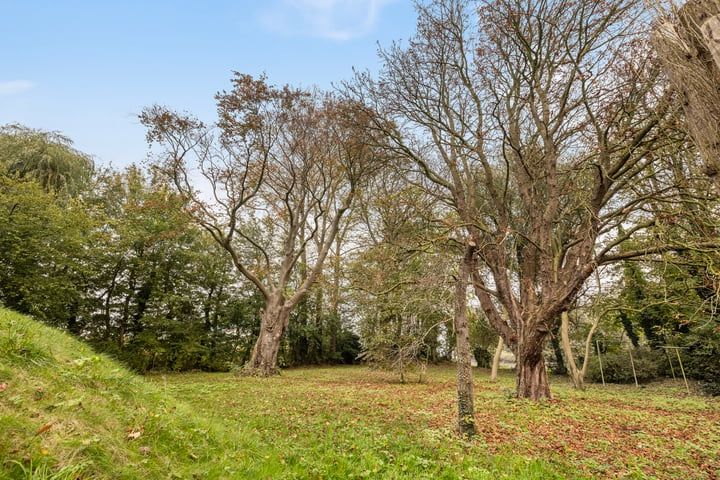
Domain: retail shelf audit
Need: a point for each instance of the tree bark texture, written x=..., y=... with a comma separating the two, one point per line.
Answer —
x=577, y=376
x=689, y=46
x=532, y=378
x=496, y=359
x=274, y=322
x=466, y=407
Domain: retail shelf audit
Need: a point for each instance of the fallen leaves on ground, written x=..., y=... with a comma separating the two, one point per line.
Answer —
x=602, y=433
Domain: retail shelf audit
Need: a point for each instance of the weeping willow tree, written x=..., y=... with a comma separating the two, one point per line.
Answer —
x=48, y=158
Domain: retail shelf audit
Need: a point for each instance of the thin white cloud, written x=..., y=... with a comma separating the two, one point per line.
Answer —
x=335, y=19
x=13, y=87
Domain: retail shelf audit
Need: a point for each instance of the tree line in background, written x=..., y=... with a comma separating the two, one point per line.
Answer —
x=505, y=177
x=114, y=258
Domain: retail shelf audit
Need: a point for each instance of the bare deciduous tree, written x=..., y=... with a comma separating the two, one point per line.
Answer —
x=271, y=183
x=536, y=121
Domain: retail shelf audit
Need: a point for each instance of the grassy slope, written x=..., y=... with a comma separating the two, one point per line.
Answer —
x=67, y=413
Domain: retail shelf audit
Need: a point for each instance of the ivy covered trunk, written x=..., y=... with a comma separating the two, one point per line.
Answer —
x=274, y=323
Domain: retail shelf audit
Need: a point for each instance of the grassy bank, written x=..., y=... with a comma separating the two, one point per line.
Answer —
x=68, y=413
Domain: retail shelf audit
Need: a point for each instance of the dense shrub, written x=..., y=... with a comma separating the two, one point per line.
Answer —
x=701, y=361
x=348, y=348
x=483, y=357
x=618, y=368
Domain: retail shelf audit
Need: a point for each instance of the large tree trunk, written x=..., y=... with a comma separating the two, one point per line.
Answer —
x=532, y=378
x=466, y=408
x=274, y=322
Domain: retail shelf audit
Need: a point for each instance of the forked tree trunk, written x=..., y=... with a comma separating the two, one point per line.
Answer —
x=273, y=324
x=577, y=374
x=578, y=377
x=496, y=359
x=532, y=378
x=466, y=407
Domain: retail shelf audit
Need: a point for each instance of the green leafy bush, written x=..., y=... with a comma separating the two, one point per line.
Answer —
x=701, y=361
x=617, y=367
x=483, y=357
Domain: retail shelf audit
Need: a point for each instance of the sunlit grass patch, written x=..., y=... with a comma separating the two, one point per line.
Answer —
x=67, y=412
x=352, y=422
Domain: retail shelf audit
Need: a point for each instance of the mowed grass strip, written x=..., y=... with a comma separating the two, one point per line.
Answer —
x=352, y=422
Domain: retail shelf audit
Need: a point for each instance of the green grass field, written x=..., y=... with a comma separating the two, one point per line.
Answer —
x=68, y=413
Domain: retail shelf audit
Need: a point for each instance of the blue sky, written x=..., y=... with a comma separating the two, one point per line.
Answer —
x=86, y=68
